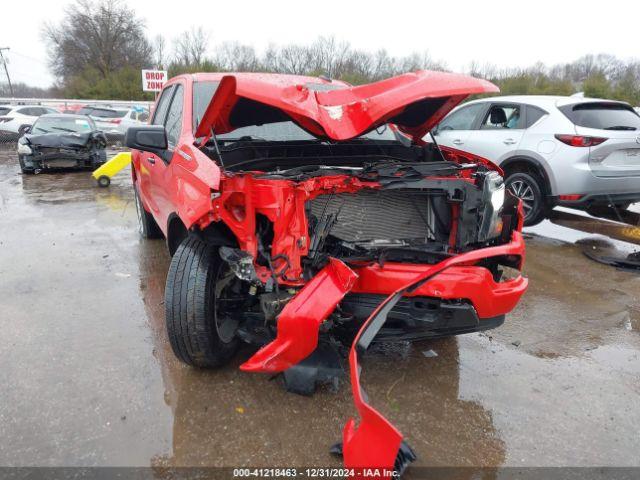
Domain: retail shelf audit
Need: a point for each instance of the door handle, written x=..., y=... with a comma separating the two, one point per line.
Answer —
x=151, y=160
x=509, y=141
x=457, y=141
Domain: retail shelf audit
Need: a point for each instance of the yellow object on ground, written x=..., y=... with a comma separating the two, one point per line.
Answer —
x=104, y=173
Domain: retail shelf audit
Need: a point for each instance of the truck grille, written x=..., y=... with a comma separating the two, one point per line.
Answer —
x=377, y=214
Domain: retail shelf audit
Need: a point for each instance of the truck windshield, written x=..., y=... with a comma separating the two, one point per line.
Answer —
x=279, y=131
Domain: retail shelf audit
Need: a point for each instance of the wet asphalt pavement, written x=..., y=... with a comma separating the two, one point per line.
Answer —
x=88, y=377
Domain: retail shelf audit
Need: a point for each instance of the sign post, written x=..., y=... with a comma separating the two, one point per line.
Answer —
x=153, y=80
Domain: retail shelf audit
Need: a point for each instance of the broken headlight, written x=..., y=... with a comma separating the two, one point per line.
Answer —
x=493, y=200
x=24, y=149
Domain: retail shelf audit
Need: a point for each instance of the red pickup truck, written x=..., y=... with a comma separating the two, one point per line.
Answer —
x=303, y=213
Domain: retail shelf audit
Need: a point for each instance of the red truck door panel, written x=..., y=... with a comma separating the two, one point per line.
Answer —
x=163, y=173
x=158, y=171
x=157, y=174
x=144, y=183
x=152, y=166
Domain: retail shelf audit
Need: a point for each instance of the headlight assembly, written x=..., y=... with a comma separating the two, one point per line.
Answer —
x=497, y=198
x=493, y=196
x=24, y=149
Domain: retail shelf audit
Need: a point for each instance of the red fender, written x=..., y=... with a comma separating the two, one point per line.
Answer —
x=300, y=319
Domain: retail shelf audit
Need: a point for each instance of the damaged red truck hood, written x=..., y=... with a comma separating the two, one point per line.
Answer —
x=414, y=102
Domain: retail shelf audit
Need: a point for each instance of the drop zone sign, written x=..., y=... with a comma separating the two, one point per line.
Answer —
x=153, y=80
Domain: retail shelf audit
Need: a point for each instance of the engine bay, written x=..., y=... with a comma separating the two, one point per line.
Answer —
x=280, y=220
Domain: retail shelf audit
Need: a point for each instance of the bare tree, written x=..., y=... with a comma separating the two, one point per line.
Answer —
x=105, y=36
x=159, y=51
x=382, y=65
x=269, y=61
x=589, y=65
x=233, y=56
x=419, y=61
x=191, y=46
x=486, y=70
x=295, y=59
x=329, y=56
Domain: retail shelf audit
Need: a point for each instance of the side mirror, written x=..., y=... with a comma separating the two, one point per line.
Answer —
x=435, y=130
x=148, y=138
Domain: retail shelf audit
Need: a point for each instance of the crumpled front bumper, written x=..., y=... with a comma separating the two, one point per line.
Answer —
x=299, y=322
x=374, y=446
x=82, y=159
x=460, y=281
x=457, y=278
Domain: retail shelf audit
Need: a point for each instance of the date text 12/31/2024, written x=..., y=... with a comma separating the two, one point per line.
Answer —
x=316, y=472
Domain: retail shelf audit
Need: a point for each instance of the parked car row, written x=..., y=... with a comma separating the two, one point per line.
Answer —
x=570, y=151
x=577, y=152
x=115, y=121
x=14, y=119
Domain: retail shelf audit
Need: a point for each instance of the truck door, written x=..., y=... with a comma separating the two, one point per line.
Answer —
x=161, y=173
x=148, y=161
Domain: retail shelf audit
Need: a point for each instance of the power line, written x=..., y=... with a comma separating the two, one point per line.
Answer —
x=28, y=57
x=6, y=70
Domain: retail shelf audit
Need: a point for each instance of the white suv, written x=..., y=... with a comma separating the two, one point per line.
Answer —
x=116, y=121
x=577, y=152
x=16, y=118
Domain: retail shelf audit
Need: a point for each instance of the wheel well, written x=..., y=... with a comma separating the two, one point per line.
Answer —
x=217, y=234
x=524, y=165
x=176, y=233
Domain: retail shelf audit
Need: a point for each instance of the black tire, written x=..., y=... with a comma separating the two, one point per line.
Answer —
x=104, y=181
x=191, y=307
x=527, y=187
x=147, y=225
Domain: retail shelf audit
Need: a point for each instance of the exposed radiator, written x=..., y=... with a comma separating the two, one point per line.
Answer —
x=377, y=214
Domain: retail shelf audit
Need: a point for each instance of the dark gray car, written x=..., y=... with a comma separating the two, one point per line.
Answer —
x=62, y=141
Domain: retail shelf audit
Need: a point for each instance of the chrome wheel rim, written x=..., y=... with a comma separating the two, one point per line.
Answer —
x=524, y=192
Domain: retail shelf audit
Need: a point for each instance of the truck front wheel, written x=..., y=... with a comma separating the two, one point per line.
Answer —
x=203, y=300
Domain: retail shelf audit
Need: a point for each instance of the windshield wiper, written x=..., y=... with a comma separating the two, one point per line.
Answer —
x=244, y=138
x=621, y=127
x=305, y=169
x=64, y=129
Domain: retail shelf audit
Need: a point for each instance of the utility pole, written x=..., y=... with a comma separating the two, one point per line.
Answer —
x=6, y=70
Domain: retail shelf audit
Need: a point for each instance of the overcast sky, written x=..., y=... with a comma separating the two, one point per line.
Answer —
x=505, y=33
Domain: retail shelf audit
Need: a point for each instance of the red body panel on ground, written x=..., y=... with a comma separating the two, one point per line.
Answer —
x=300, y=319
x=374, y=442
